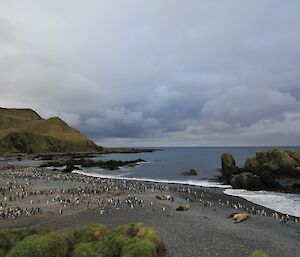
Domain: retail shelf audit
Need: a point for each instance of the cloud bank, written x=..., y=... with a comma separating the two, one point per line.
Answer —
x=152, y=73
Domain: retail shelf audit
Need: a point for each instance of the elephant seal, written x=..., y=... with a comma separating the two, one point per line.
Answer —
x=165, y=197
x=239, y=217
x=183, y=207
x=160, y=197
x=169, y=197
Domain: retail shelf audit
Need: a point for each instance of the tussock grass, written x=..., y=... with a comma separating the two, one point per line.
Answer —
x=48, y=245
x=6, y=242
x=258, y=253
x=89, y=233
x=95, y=240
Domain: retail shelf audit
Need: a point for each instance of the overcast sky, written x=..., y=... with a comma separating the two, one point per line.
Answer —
x=157, y=73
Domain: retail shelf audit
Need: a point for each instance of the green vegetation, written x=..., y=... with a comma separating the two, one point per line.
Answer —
x=258, y=253
x=275, y=158
x=9, y=239
x=6, y=242
x=89, y=233
x=251, y=164
x=276, y=162
x=228, y=162
x=85, y=250
x=228, y=167
x=48, y=245
x=133, y=240
x=24, y=131
x=263, y=171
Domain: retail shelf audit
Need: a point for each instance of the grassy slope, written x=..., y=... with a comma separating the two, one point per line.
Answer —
x=20, y=127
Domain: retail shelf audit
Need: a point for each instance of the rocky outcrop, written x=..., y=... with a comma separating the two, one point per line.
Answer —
x=277, y=162
x=246, y=180
x=229, y=167
x=191, y=172
x=262, y=171
x=228, y=164
x=109, y=165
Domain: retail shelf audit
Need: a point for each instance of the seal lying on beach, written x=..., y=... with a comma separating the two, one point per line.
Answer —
x=239, y=217
x=165, y=197
x=183, y=207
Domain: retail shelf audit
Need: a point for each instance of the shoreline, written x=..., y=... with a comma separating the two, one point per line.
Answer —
x=66, y=200
x=215, y=185
x=104, y=151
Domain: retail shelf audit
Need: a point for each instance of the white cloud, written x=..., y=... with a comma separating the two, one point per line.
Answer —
x=73, y=119
x=159, y=72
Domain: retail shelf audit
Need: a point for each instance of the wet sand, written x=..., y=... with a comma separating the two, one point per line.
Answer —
x=36, y=198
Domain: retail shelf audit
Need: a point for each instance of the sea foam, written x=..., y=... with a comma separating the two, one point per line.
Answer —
x=202, y=183
x=281, y=202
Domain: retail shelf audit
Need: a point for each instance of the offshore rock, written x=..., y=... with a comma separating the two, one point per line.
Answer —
x=262, y=171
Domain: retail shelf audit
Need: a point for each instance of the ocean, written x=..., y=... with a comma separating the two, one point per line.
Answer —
x=167, y=165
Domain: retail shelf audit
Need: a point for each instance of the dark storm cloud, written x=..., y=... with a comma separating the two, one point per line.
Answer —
x=157, y=72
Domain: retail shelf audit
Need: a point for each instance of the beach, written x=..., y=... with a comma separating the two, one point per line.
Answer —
x=37, y=198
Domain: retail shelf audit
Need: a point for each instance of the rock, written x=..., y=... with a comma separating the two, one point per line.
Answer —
x=183, y=207
x=228, y=164
x=47, y=157
x=70, y=168
x=191, y=172
x=289, y=173
x=240, y=217
x=109, y=165
x=295, y=156
x=296, y=186
x=246, y=180
x=52, y=164
x=262, y=171
x=268, y=180
x=251, y=164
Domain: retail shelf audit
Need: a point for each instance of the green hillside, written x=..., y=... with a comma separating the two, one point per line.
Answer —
x=24, y=131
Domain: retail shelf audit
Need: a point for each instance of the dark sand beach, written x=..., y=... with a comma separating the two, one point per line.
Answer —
x=42, y=199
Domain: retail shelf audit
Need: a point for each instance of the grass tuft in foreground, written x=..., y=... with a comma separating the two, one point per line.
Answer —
x=95, y=240
x=258, y=253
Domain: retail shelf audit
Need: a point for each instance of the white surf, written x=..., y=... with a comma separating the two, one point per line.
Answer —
x=203, y=183
x=281, y=202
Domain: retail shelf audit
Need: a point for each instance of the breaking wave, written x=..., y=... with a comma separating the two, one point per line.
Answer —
x=202, y=183
x=281, y=202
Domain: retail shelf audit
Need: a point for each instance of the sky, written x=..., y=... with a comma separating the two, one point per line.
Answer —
x=157, y=73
